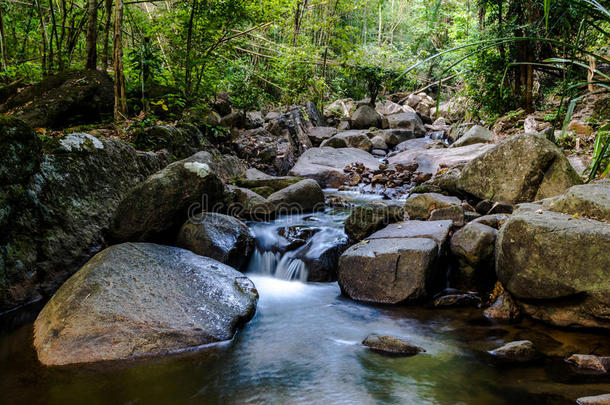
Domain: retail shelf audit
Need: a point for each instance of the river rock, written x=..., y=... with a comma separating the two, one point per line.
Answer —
x=325, y=164
x=523, y=168
x=394, y=137
x=540, y=257
x=366, y=117
x=140, y=299
x=588, y=200
x=391, y=345
x=590, y=362
x=438, y=231
x=317, y=135
x=503, y=308
x=453, y=298
x=409, y=121
x=56, y=205
x=431, y=160
x=596, y=400
x=350, y=139
x=366, y=219
x=303, y=196
x=389, y=271
x=165, y=200
x=473, y=247
x=476, y=134
x=247, y=204
x=455, y=213
x=495, y=220
x=420, y=206
x=519, y=351
x=254, y=178
x=219, y=237
x=379, y=144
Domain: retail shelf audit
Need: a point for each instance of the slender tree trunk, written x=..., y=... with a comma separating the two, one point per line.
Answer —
x=91, y=35
x=120, y=98
x=45, y=40
x=380, y=26
x=108, y=8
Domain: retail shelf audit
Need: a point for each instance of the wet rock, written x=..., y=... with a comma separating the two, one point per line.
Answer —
x=503, y=308
x=247, y=204
x=317, y=135
x=389, y=271
x=140, y=299
x=69, y=98
x=476, y=134
x=219, y=237
x=452, y=298
x=523, y=168
x=366, y=117
x=590, y=362
x=546, y=273
x=158, y=206
x=378, y=152
x=420, y=206
x=596, y=400
x=325, y=165
x=519, y=351
x=350, y=139
x=366, y=219
x=407, y=120
x=588, y=200
x=303, y=196
x=391, y=345
x=297, y=235
x=473, y=247
x=322, y=261
x=431, y=160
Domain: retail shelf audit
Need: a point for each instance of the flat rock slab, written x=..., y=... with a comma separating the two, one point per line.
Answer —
x=435, y=230
x=141, y=299
x=430, y=160
x=391, y=345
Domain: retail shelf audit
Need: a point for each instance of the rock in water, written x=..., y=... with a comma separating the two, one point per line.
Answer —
x=163, y=202
x=520, y=351
x=140, y=299
x=219, y=237
x=391, y=345
x=303, y=196
x=590, y=362
x=523, y=168
x=596, y=400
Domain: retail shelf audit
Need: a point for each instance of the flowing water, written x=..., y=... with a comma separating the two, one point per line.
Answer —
x=303, y=347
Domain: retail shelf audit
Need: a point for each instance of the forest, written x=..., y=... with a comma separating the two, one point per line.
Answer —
x=305, y=202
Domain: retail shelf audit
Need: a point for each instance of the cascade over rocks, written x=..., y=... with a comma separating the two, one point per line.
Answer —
x=520, y=169
x=140, y=299
x=164, y=201
x=55, y=207
x=325, y=164
x=219, y=237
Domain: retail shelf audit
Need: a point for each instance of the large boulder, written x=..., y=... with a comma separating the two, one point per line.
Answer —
x=421, y=206
x=350, y=139
x=523, y=168
x=255, y=179
x=55, y=206
x=63, y=100
x=325, y=165
x=588, y=200
x=389, y=271
x=157, y=207
x=366, y=117
x=473, y=247
x=476, y=134
x=219, y=237
x=247, y=204
x=393, y=137
x=317, y=135
x=409, y=121
x=140, y=299
x=303, y=196
x=438, y=231
x=430, y=160
x=366, y=219
x=557, y=266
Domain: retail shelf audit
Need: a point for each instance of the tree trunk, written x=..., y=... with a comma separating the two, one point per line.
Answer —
x=108, y=7
x=91, y=35
x=120, y=98
x=187, y=62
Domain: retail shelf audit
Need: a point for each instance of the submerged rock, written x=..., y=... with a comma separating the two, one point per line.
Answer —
x=391, y=345
x=140, y=299
x=452, y=298
x=219, y=237
x=519, y=351
x=590, y=362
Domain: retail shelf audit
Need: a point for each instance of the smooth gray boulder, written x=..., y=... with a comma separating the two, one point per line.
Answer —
x=303, y=196
x=391, y=345
x=325, y=164
x=438, y=231
x=520, y=169
x=389, y=271
x=141, y=299
x=557, y=266
x=366, y=117
x=317, y=135
x=219, y=237
x=431, y=160
x=350, y=139
x=476, y=134
x=407, y=120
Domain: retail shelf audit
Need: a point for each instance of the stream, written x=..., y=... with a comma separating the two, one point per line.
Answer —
x=303, y=347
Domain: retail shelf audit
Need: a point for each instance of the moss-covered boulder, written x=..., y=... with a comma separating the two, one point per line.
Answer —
x=140, y=299
x=247, y=204
x=421, y=206
x=59, y=205
x=588, y=200
x=156, y=208
x=255, y=179
x=304, y=196
x=557, y=266
x=523, y=168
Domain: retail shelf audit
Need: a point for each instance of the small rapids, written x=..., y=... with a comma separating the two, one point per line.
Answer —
x=294, y=247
